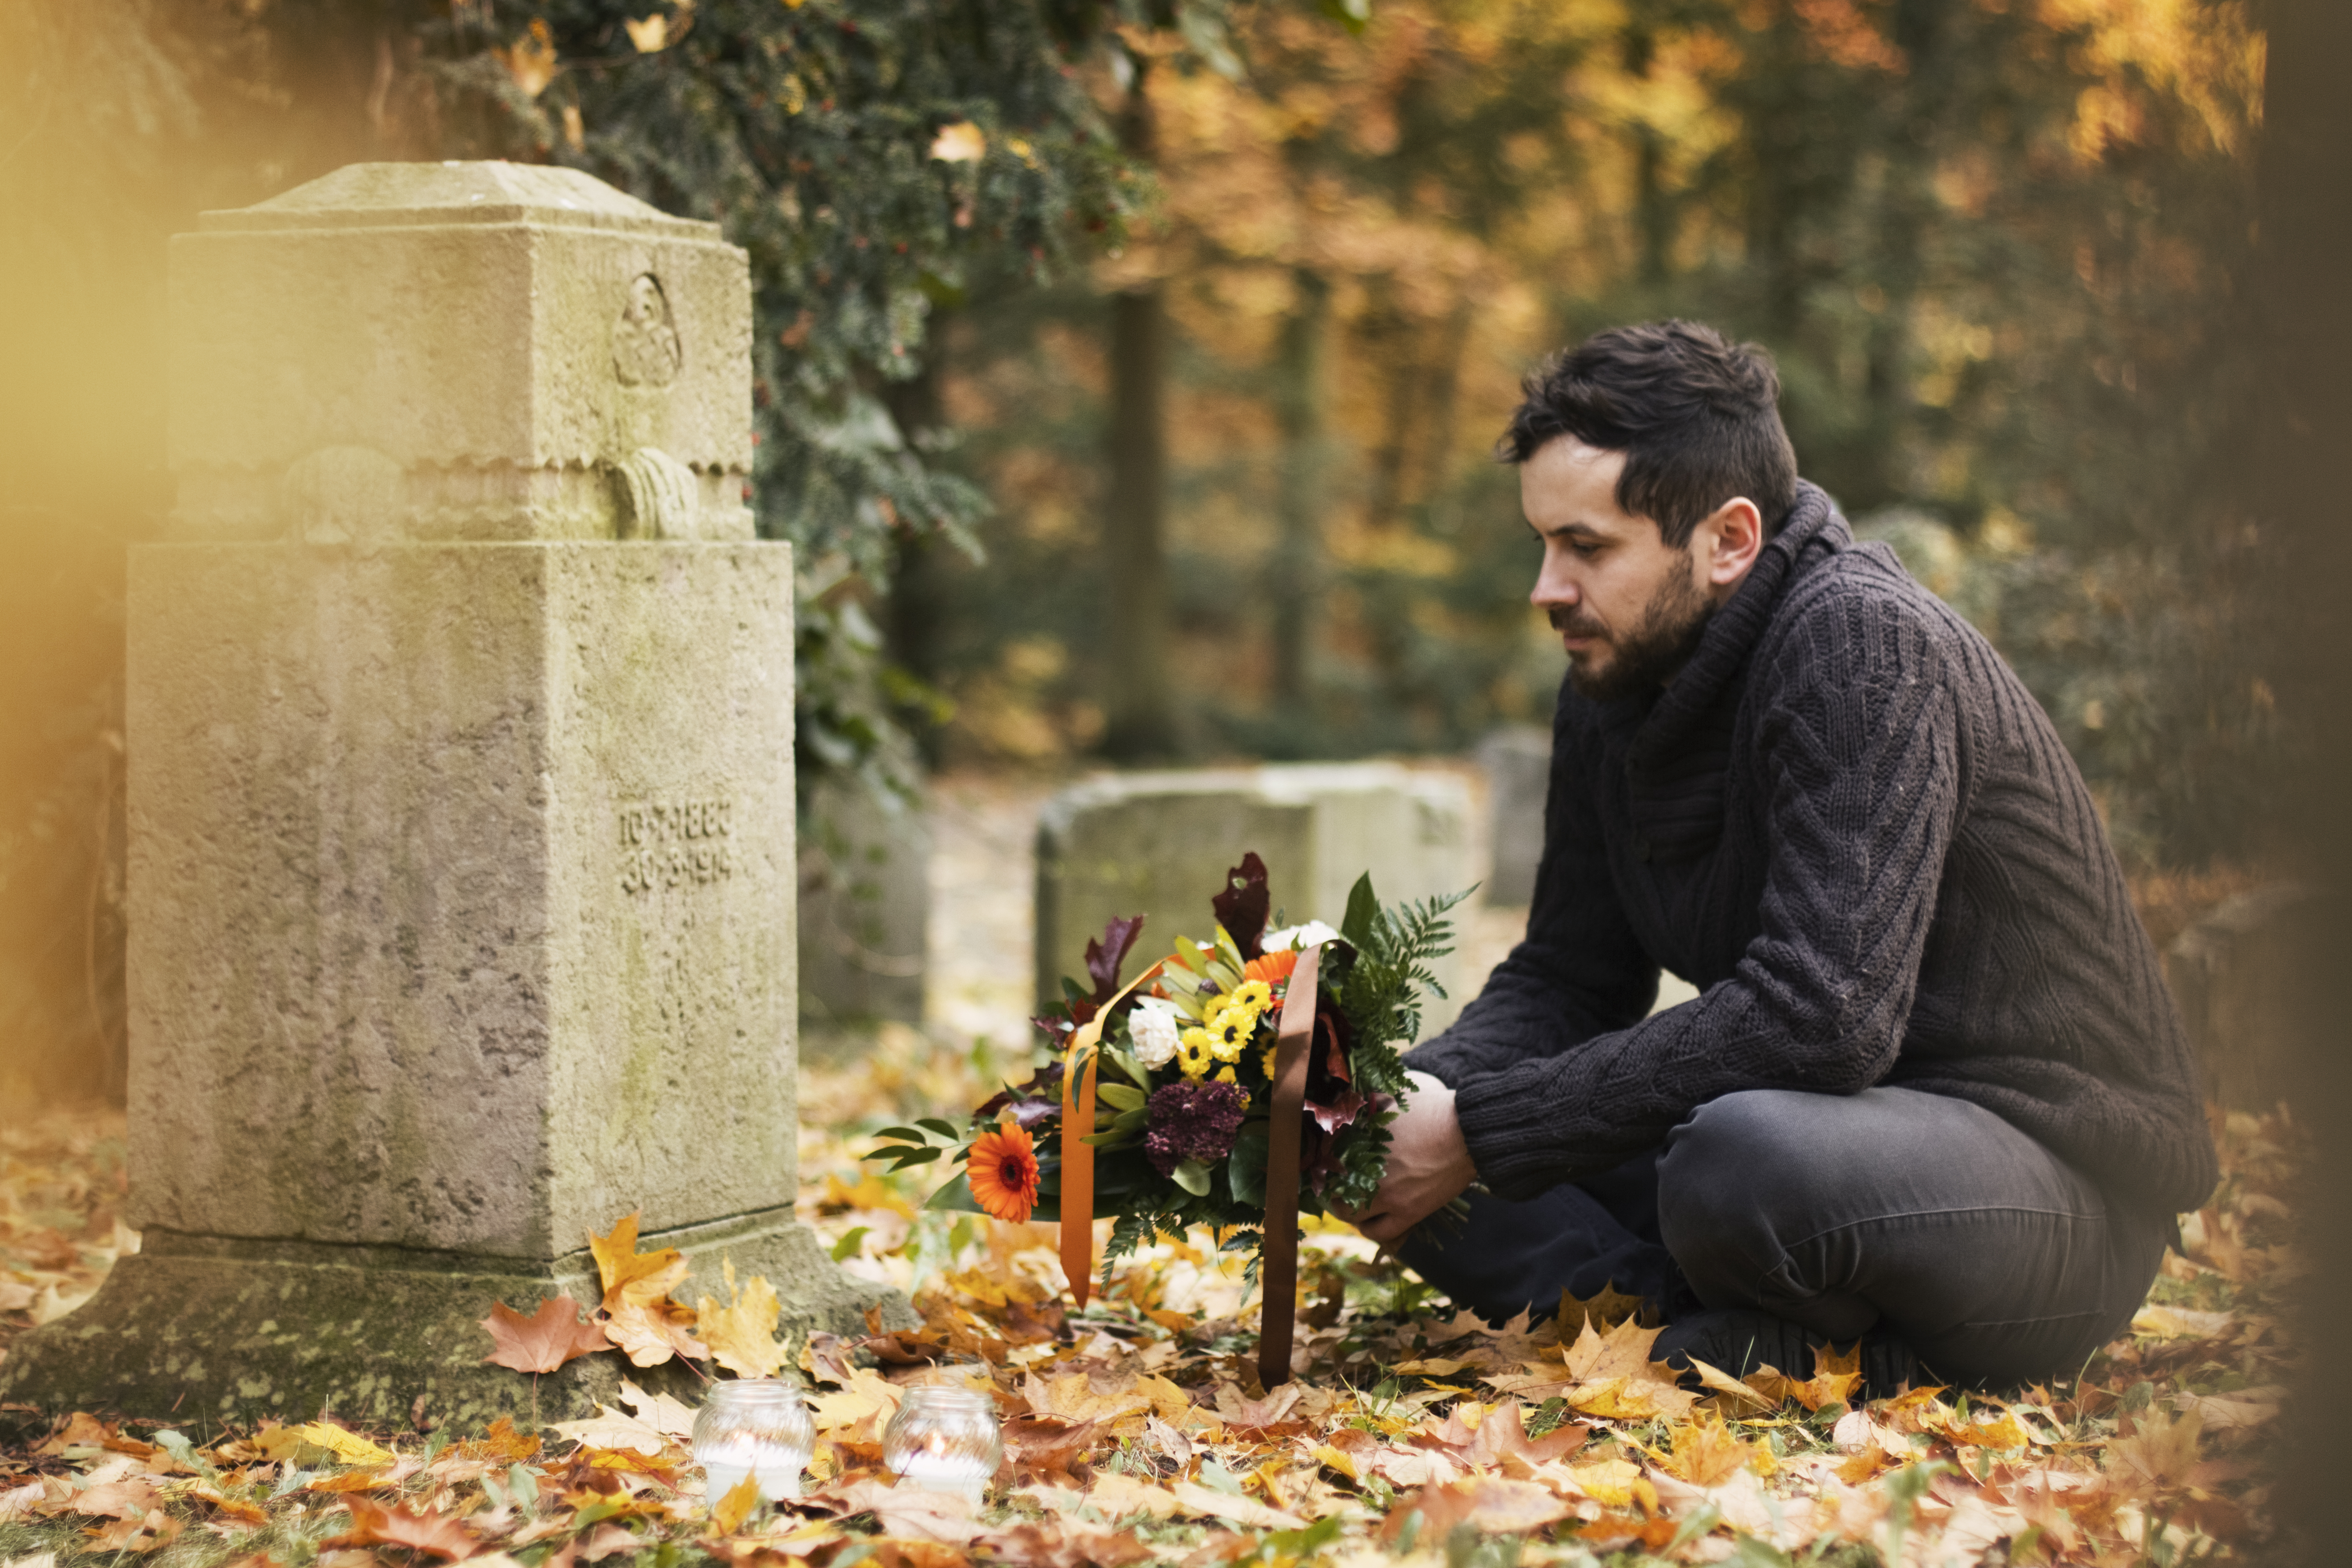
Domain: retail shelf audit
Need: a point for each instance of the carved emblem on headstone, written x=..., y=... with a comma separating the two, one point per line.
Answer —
x=646, y=350
x=664, y=501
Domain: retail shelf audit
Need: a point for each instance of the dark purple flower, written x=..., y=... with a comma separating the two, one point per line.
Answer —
x=1242, y=907
x=1192, y=1121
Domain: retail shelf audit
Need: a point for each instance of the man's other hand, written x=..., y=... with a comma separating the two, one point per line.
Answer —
x=1429, y=1165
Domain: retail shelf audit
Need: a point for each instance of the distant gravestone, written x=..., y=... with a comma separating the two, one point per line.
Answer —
x=865, y=910
x=2238, y=975
x=1161, y=843
x=460, y=831
x=1516, y=762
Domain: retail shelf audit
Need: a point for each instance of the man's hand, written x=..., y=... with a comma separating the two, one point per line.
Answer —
x=1429, y=1165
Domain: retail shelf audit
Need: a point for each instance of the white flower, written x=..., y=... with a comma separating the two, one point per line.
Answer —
x=1314, y=933
x=1152, y=1029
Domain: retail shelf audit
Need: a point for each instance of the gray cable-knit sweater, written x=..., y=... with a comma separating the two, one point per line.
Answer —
x=1851, y=827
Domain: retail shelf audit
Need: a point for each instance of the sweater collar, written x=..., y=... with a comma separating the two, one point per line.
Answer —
x=1812, y=532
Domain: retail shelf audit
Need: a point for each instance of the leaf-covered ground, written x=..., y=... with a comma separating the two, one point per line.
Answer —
x=1136, y=1431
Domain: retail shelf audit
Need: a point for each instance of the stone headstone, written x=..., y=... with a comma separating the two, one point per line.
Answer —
x=865, y=910
x=1516, y=761
x=460, y=831
x=1161, y=843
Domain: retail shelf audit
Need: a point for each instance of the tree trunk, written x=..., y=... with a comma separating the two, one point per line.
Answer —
x=1141, y=722
x=1292, y=577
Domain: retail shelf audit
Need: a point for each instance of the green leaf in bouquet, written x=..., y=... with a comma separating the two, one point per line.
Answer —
x=1363, y=912
x=1246, y=1166
x=1120, y=1095
x=903, y=1135
x=956, y=1197
x=1194, y=1178
x=918, y=1156
x=1129, y=1065
x=943, y=1128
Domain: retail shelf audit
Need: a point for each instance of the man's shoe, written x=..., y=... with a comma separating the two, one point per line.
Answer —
x=1738, y=1341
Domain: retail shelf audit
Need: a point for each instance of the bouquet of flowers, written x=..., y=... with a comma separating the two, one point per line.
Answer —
x=1167, y=1106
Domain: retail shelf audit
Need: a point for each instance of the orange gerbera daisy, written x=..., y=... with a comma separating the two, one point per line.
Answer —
x=1004, y=1172
x=1270, y=967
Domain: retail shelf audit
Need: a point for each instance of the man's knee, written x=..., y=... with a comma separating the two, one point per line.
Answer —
x=1735, y=1181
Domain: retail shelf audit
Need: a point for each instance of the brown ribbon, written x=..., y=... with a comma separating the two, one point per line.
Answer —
x=1077, y=1155
x=1278, y=1266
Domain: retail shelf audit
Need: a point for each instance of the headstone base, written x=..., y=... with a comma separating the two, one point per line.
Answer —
x=196, y=1328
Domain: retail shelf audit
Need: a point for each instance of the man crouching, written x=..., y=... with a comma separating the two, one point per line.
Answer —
x=1932, y=1094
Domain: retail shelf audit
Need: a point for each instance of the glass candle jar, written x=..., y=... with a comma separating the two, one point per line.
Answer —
x=753, y=1426
x=944, y=1438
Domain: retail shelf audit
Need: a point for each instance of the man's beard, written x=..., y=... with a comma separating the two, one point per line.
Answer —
x=1648, y=655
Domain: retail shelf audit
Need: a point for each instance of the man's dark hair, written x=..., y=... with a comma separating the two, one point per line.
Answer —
x=1698, y=417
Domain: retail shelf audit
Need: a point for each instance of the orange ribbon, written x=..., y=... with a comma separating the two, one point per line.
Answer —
x=1077, y=1155
x=1278, y=1268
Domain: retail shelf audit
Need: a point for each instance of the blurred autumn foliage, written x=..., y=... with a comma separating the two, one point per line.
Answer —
x=1127, y=371
x=1998, y=248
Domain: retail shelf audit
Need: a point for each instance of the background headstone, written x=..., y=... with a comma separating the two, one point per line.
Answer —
x=2234, y=973
x=1517, y=764
x=460, y=833
x=1161, y=843
x=865, y=910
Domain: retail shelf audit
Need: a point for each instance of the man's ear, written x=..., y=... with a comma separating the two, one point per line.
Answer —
x=1726, y=543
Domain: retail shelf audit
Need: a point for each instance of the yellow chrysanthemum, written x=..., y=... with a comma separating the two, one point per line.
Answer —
x=1195, y=1052
x=1266, y=1061
x=1224, y=1075
x=1251, y=997
x=1229, y=1032
x=1255, y=995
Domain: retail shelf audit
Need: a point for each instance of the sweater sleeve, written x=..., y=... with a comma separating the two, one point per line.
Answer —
x=1859, y=755
x=1580, y=971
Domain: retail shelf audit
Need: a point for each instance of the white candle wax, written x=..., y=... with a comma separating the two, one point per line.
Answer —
x=932, y=1470
x=775, y=1468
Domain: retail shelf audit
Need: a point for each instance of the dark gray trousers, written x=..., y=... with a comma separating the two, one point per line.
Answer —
x=1991, y=1257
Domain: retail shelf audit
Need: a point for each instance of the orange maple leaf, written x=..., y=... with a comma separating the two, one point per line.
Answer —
x=544, y=1341
x=501, y=1442
x=375, y=1525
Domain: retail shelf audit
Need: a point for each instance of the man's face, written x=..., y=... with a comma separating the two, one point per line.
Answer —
x=1629, y=608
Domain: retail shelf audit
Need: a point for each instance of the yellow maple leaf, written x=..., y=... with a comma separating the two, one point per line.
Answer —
x=1121, y=1403
x=869, y=1192
x=1614, y=1483
x=853, y=1415
x=743, y=1335
x=1613, y=1376
x=2155, y=1454
x=632, y=1276
x=532, y=59
x=1736, y=1395
x=728, y=1514
x=650, y=1333
x=962, y=143
x=1706, y=1453
x=1604, y=1310
x=348, y=1446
